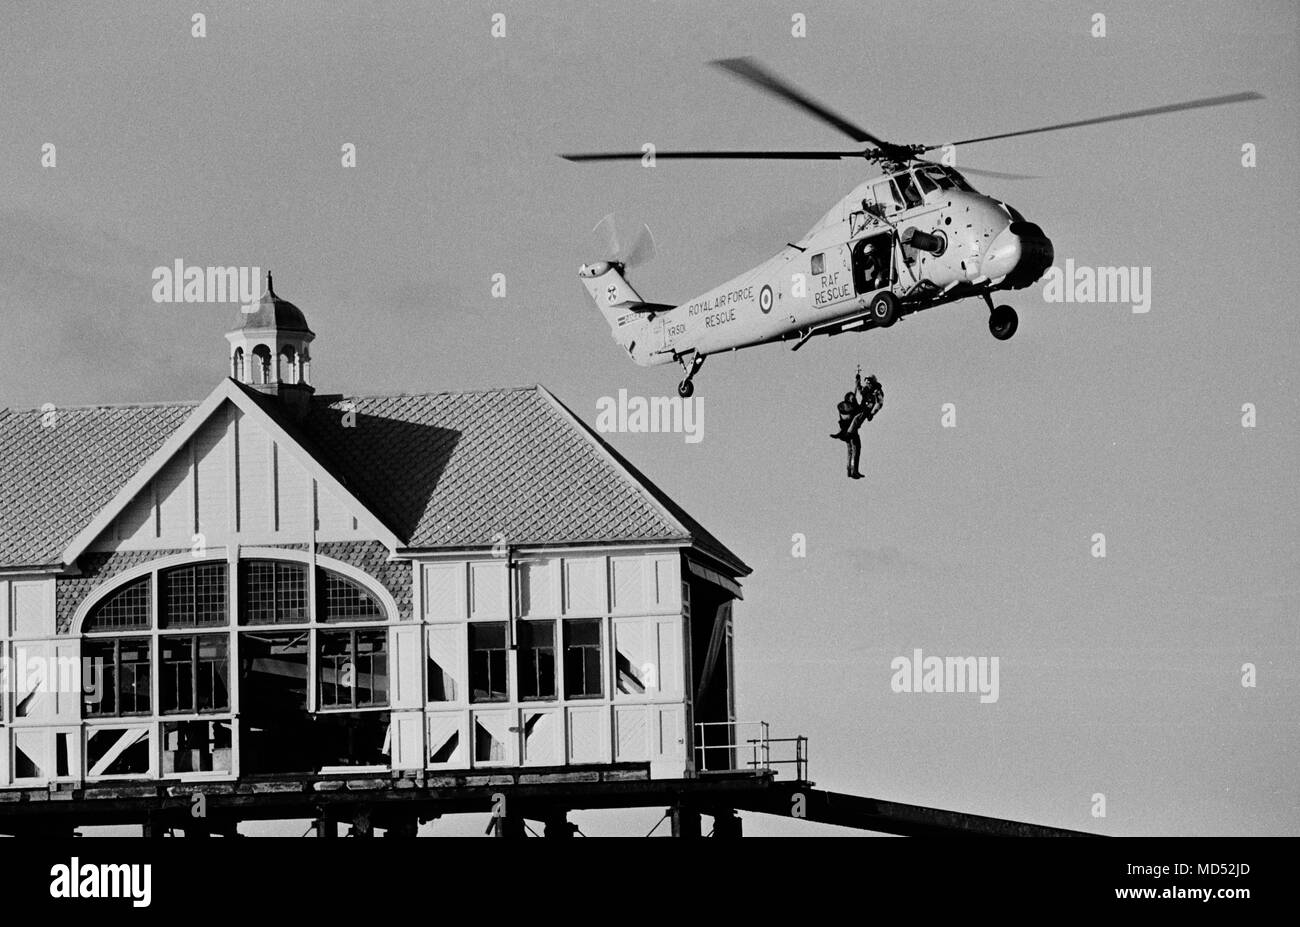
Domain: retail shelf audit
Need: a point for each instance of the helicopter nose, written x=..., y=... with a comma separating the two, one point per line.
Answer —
x=1002, y=256
x=1020, y=252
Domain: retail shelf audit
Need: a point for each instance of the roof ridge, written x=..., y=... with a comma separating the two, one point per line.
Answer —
x=176, y=404
x=192, y=403
x=447, y=392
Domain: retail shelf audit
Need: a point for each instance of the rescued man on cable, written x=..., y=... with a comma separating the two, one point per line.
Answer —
x=858, y=406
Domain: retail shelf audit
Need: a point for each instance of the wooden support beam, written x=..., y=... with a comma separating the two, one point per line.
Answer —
x=686, y=822
x=886, y=817
x=559, y=826
x=509, y=825
x=726, y=824
x=407, y=826
x=362, y=825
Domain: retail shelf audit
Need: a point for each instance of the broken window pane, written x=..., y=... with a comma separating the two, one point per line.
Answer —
x=489, y=739
x=193, y=672
x=371, y=682
x=100, y=697
x=443, y=663
x=487, y=661
x=353, y=668
x=444, y=738
x=634, y=666
x=117, y=751
x=61, y=754
x=351, y=738
x=176, y=672
x=536, y=659
x=582, y=662
x=121, y=666
x=196, y=746
x=29, y=754
x=275, y=729
x=335, y=667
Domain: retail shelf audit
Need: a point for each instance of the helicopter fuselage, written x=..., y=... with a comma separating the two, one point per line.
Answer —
x=925, y=247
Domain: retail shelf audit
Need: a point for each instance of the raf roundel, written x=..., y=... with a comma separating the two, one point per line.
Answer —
x=765, y=299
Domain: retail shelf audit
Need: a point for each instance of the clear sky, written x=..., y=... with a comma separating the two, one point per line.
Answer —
x=1119, y=676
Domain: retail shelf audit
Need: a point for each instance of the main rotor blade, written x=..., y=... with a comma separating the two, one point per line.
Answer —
x=975, y=171
x=716, y=155
x=999, y=175
x=747, y=69
x=1133, y=114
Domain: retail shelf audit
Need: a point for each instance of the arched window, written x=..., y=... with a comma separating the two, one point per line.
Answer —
x=192, y=667
x=261, y=365
x=194, y=596
x=346, y=600
x=127, y=609
x=312, y=671
x=273, y=592
x=288, y=365
x=237, y=365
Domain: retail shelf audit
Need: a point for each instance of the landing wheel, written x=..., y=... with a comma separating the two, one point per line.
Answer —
x=1003, y=322
x=686, y=387
x=884, y=309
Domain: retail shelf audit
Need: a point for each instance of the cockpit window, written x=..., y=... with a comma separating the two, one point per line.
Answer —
x=886, y=196
x=960, y=181
x=911, y=195
x=932, y=177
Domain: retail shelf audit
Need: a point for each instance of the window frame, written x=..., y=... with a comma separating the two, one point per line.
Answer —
x=195, y=663
x=475, y=627
x=352, y=655
x=520, y=648
x=904, y=181
x=166, y=628
x=278, y=569
x=570, y=693
x=116, y=641
x=895, y=203
x=164, y=620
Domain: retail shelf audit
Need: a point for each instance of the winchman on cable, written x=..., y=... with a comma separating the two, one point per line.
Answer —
x=858, y=406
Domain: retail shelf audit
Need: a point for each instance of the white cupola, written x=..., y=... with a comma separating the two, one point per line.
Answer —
x=269, y=350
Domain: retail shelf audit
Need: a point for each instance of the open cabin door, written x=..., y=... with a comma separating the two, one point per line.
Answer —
x=872, y=258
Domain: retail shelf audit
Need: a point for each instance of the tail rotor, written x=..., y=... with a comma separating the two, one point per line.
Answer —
x=640, y=249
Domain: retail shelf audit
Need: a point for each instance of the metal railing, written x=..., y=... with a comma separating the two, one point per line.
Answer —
x=733, y=746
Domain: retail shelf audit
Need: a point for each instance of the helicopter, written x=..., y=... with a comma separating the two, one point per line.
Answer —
x=912, y=236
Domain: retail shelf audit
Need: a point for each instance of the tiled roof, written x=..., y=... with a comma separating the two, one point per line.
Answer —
x=58, y=469
x=447, y=470
x=471, y=469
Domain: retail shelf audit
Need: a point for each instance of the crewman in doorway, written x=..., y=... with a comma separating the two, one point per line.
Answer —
x=857, y=407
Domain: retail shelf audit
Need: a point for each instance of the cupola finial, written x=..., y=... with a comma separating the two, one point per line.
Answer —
x=268, y=283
